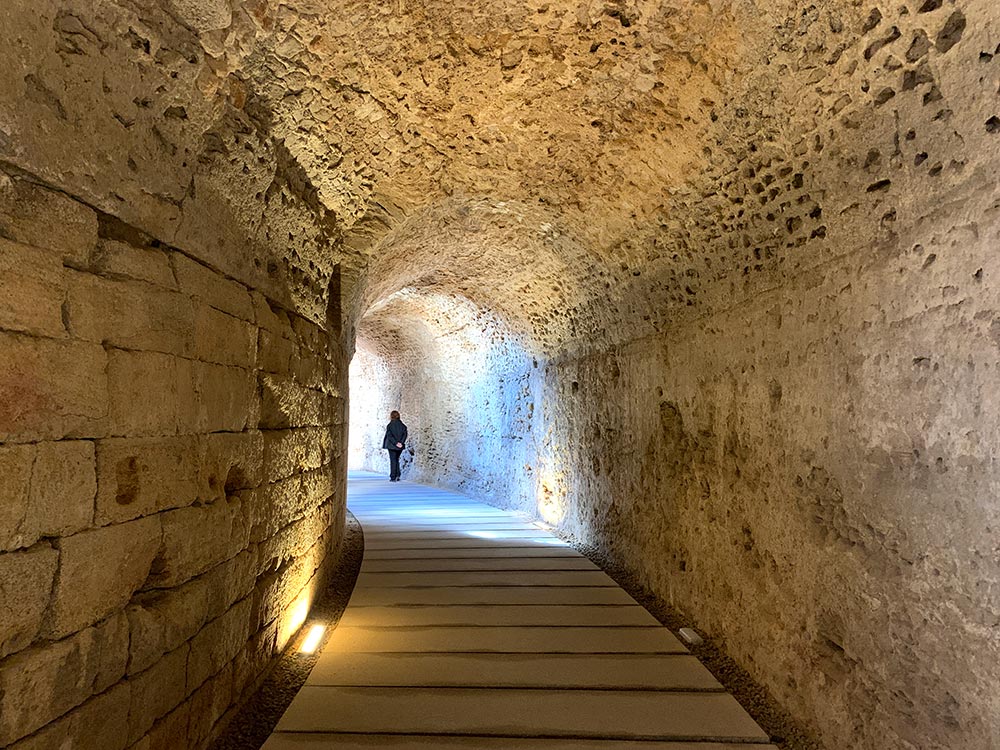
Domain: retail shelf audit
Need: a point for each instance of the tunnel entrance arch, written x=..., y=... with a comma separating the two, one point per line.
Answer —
x=465, y=384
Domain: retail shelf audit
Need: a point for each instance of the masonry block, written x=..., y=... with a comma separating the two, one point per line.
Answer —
x=34, y=288
x=252, y=660
x=130, y=314
x=295, y=539
x=51, y=389
x=271, y=317
x=157, y=691
x=120, y=260
x=218, y=643
x=16, y=462
x=227, y=398
x=99, y=570
x=211, y=287
x=160, y=621
x=277, y=591
x=275, y=353
x=288, y=452
x=224, y=339
x=150, y=394
x=285, y=403
x=48, y=491
x=170, y=732
x=42, y=683
x=208, y=703
x=44, y=218
x=140, y=476
x=26, y=583
x=231, y=581
x=233, y=461
x=99, y=724
x=274, y=505
x=312, y=370
x=198, y=538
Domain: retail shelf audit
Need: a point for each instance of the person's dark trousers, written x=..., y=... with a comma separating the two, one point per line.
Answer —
x=394, y=464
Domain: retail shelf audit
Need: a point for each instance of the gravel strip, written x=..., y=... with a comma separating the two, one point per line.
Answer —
x=253, y=723
x=758, y=702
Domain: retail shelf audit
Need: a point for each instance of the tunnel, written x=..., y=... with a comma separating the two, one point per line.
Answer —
x=707, y=290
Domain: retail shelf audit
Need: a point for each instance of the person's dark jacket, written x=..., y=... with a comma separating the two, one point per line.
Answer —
x=395, y=432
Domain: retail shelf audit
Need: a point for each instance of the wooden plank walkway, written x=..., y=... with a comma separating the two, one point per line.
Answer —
x=471, y=628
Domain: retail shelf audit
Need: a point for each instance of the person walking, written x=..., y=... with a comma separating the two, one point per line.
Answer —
x=394, y=442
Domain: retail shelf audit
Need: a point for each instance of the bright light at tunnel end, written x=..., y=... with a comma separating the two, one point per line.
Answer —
x=312, y=639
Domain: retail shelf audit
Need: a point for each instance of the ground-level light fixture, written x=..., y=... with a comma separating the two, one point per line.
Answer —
x=312, y=639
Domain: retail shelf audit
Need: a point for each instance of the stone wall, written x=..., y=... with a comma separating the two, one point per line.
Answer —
x=811, y=478
x=171, y=450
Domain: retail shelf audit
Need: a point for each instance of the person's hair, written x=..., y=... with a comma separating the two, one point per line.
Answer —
x=394, y=415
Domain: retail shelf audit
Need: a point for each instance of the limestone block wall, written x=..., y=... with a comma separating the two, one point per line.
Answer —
x=171, y=480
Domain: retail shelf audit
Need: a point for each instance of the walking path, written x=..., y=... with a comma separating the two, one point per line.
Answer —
x=471, y=628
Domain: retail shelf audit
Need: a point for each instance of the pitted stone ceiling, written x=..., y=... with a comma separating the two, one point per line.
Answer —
x=593, y=171
x=503, y=152
x=595, y=107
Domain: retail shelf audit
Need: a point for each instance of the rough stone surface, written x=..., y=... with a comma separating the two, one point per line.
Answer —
x=34, y=288
x=99, y=570
x=133, y=547
x=139, y=476
x=51, y=389
x=49, y=491
x=198, y=538
x=42, y=683
x=99, y=724
x=25, y=581
x=709, y=285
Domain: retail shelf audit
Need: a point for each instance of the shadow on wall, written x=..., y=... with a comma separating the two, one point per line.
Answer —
x=465, y=386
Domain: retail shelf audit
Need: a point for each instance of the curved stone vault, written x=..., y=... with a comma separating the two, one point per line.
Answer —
x=708, y=285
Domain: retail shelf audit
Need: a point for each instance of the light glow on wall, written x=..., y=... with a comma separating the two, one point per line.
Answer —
x=295, y=616
x=551, y=498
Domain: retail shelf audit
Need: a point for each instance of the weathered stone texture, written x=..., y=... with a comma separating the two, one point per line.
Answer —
x=49, y=490
x=151, y=394
x=218, y=643
x=34, y=287
x=130, y=578
x=25, y=580
x=99, y=724
x=157, y=691
x=99, y=570
x=714, y=281
x=200, y=281
x=227, y=398
x=139, y=476
x=198, y=538
x=41, y=218
x=120, y=260
x=51, y=389
x=42, y=683
x=130, y=314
